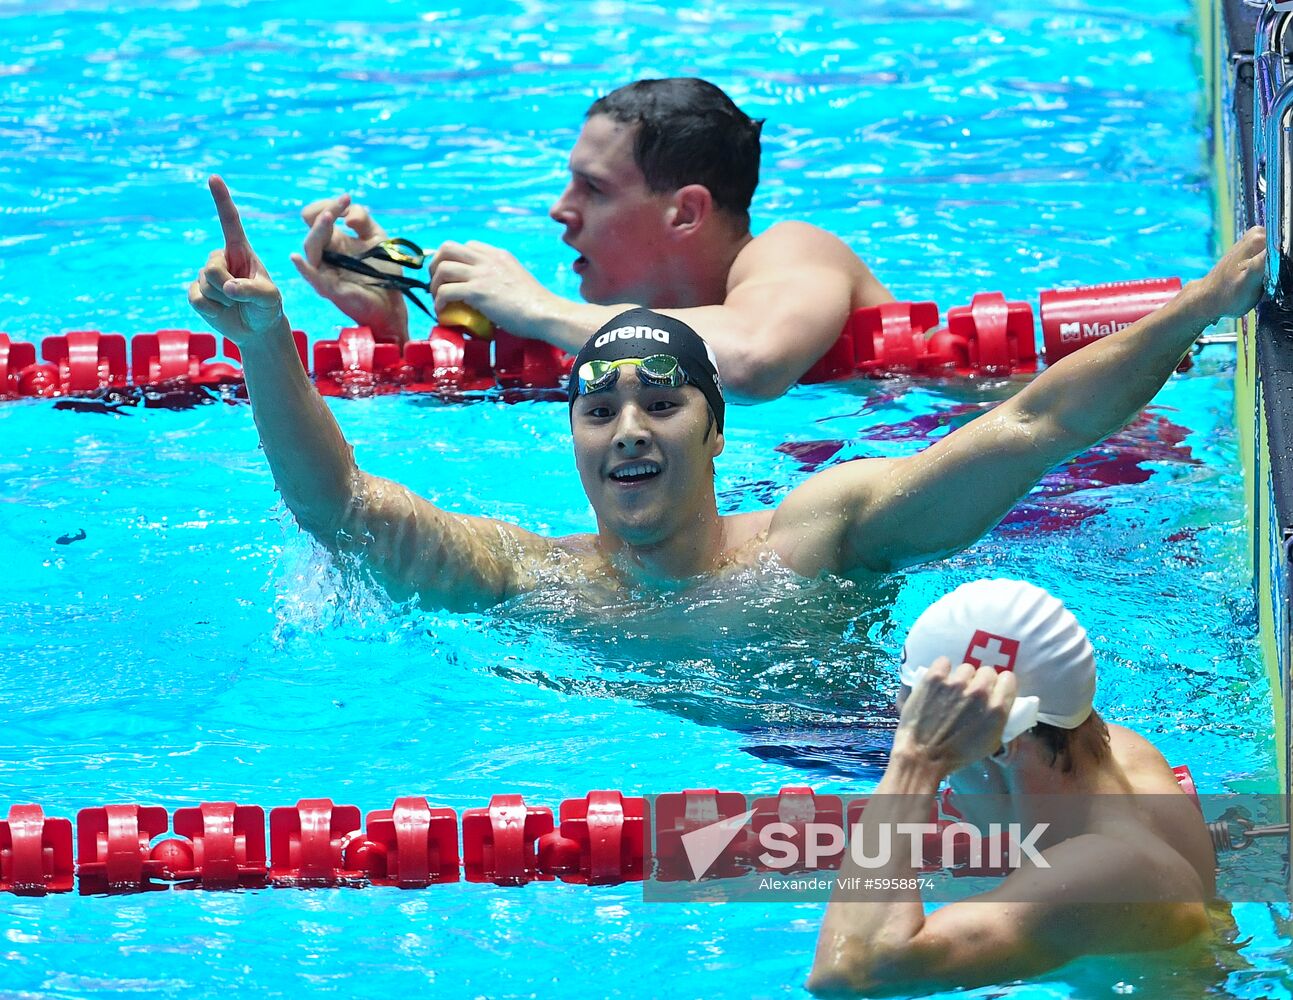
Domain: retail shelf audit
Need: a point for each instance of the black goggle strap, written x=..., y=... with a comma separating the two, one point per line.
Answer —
x=396, y=251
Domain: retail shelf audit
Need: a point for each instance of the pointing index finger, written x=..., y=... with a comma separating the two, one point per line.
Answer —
x=237, y=246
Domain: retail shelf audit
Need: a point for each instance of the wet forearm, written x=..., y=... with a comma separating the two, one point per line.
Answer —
x=866, y=930
x=312, y=463
x=748, y=373
x=565, y=324
x=1096, y=390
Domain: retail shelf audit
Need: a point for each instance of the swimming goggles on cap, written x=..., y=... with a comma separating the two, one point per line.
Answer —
x=405, y=253
x=658, y=369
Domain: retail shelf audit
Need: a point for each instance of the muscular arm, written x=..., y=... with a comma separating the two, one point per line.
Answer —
x=412, y=547
x=1100, y=894
x=883, y=515
x=788, y=295
x=1099, y=897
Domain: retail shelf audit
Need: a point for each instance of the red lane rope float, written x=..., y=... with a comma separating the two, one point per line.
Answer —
x=990, y=336
x=603, y=838
x=14, y=358
x=1074, y=317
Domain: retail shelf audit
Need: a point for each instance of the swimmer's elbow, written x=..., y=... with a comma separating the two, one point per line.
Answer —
x=853, y=974
x=829, y=983
x=327, y=514
x=859, y=961
x=756, y=378
x=834, y=979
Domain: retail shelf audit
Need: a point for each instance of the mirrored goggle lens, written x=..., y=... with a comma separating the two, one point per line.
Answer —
x=658, y=369
x=596, y=375
x=661, y=369
x=406, y=253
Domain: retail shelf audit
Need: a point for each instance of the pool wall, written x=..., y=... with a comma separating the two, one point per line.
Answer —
x=1264, y=377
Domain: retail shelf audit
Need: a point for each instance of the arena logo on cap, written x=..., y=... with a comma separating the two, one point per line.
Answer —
x=632, y=333
x=988, y=650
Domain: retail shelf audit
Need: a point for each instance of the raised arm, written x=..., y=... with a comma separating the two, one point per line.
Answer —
x=787, y=297
x=412, y=547
x=885, y=514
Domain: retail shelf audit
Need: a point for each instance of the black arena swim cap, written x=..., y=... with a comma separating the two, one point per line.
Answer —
x=640, y=333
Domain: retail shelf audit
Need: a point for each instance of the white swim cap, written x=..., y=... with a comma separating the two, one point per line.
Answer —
x=1015, y=626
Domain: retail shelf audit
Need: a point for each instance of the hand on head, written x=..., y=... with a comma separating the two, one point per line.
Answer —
x=955, y=716
x=380, y=309
x=234, y=292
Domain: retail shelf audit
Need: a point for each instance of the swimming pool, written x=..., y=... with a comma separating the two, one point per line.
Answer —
x=193, y=647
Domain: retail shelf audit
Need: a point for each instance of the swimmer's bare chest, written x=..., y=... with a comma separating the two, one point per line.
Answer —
x=580, y=564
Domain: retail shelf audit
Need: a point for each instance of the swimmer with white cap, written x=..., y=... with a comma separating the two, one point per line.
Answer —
x=998, y=687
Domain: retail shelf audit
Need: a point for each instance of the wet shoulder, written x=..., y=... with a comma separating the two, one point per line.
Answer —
x=795, y=242
x=568, y=562
x=1146, y=770
x=1162, y=805
x=745, y=538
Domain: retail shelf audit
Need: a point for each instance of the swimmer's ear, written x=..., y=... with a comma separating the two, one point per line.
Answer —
x=1007, y=754
x=690, y=206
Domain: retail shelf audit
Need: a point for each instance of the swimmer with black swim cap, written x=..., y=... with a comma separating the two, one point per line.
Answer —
x=647, y=414
x=665, y=351
x=645, y=447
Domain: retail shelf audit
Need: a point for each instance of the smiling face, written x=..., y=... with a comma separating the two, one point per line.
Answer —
x=613, y=220
x=645, y=457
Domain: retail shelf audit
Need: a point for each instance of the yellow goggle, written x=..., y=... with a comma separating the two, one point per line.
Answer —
x=405, y=253
x=658, y=370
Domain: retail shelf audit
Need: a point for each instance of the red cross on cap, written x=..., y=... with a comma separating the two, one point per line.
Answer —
x=988, y=650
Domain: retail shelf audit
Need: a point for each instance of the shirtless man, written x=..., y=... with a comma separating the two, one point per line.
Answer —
x=645, y=437
x=657, y=209
x=1131, y=866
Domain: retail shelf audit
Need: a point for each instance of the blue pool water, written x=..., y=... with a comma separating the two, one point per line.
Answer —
x=193, y=647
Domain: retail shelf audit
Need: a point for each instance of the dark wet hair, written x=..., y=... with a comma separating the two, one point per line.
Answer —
x=1092, y=736
x=689, y=132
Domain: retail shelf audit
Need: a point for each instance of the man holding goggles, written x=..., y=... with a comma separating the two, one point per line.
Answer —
x=657, y=213
x=647, y=419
